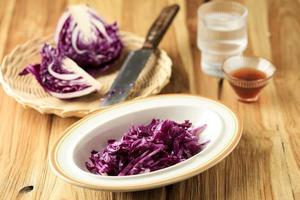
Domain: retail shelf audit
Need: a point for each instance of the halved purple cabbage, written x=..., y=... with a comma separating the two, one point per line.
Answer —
x=56, y=74
x=85, y=38
x=147, y=148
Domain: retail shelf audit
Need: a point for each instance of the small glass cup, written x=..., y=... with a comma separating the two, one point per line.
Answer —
x=245, y=76
x=222, y=32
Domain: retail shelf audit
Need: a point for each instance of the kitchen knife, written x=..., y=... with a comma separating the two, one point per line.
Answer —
x=136, y=60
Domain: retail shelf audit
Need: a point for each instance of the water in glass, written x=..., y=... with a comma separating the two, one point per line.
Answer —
x=222, y=32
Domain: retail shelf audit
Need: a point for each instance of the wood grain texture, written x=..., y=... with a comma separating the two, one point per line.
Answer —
x=266, y=163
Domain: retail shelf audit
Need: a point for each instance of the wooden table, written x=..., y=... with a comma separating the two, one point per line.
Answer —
x=265, y=164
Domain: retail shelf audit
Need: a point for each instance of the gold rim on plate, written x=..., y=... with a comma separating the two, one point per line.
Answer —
x=179, y=177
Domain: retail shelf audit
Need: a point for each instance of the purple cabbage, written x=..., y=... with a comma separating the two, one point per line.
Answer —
x=85, y=38
x=147, y=148
x=55, y=78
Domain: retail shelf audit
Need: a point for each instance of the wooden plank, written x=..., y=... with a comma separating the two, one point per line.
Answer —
x=184, y=44
x=24, y=150
x=19, y=160
x=157, y=194
x=6, y=11
x=284, y=22
x=262, y=120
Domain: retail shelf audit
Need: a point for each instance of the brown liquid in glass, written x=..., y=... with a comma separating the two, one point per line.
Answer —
x=248, y=74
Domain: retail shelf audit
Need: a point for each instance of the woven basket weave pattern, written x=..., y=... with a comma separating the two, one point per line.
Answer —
x=29, y=93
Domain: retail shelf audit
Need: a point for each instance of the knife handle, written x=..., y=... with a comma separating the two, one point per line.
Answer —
x=160, y=26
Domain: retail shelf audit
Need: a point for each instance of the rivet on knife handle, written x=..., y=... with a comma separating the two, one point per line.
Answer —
x=160, y=26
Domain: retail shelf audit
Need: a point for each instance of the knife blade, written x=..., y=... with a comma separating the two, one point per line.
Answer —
x=124, y=82
x=137, y=60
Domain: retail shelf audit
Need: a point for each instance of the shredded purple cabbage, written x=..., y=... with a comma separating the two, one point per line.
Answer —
x=146, y=148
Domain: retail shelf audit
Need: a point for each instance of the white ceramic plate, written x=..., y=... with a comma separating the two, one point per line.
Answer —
x=67, y=159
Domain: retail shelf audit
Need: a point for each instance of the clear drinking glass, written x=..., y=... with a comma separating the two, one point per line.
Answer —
x=242, y=74
x=222, y=32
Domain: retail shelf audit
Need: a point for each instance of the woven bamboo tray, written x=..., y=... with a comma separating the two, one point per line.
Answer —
x=27, y=91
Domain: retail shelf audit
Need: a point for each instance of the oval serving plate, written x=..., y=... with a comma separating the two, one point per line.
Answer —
x=68, y=156
x=26, y=90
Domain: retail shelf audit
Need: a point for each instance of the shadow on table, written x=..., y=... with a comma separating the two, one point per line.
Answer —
x=244, y=174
